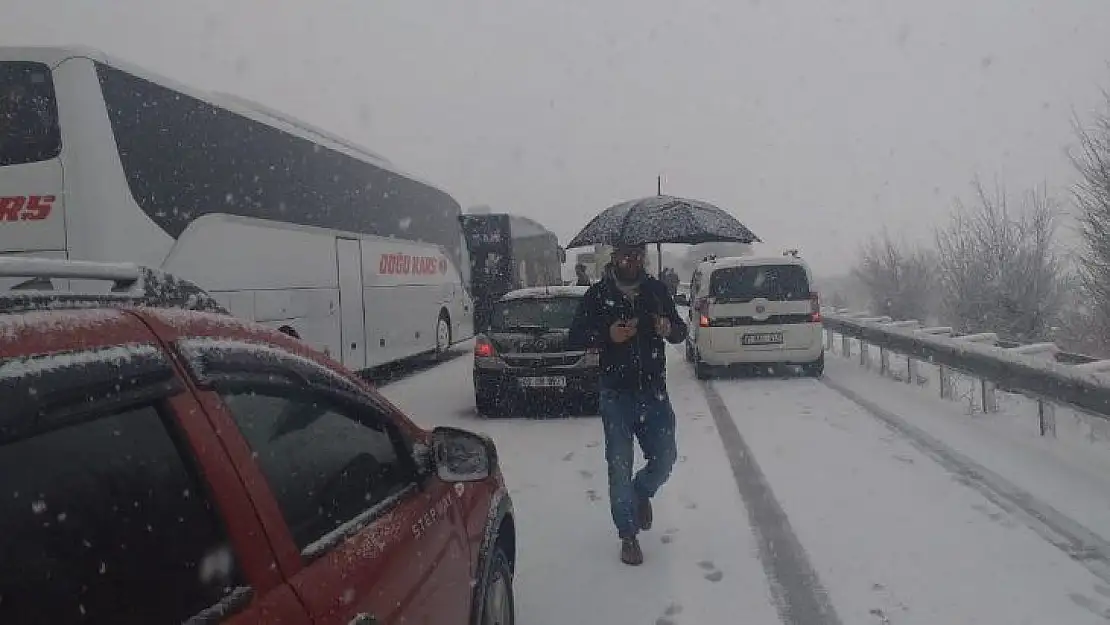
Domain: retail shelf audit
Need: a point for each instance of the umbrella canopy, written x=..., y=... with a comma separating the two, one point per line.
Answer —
x=663, y=219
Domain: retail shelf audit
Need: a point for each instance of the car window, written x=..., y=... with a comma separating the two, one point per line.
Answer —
x=107, y=523
x=325, y=463
x=773, y=282
x=548, y=313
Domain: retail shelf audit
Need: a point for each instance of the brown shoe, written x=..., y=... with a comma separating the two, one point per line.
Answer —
x=630, y=552
x=643, y=513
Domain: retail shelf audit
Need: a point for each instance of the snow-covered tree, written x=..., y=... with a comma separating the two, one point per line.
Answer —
x=899, y=278
x=1092, y=196
x=999, y=268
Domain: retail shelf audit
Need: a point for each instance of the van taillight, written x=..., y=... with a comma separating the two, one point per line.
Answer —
x=483, y=348
x=815, y=308
x=702, y=306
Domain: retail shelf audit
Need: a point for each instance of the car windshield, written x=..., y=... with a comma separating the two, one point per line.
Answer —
x=548, y=313
x=773, y=282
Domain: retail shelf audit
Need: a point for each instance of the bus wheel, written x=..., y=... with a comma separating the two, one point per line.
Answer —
x=443, y=335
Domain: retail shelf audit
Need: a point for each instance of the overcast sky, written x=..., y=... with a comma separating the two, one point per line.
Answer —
x=813, y=121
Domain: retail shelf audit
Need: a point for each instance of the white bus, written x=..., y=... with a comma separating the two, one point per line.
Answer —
x=284, y=223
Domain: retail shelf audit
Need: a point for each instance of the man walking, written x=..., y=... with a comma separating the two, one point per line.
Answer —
x=626, y=316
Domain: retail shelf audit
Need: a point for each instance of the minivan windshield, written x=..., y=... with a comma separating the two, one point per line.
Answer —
x=548, y=313
x=773, y=282
x=28, y=116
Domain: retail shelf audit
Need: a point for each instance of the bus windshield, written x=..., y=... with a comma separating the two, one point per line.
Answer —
x=28, y=114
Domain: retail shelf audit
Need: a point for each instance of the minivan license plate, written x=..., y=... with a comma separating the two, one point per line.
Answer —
x=551, y=381
x=762, y=339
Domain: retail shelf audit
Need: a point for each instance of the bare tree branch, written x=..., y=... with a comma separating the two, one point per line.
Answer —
x=1092, y=195
x=900, y=283
x=999, y=269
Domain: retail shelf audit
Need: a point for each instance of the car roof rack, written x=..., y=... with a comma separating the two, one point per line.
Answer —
x=132, y=285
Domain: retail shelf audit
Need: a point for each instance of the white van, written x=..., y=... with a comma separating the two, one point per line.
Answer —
x=748, y=310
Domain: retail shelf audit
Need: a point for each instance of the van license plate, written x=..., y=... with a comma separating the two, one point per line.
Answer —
x=762, y=339
x=551, y=381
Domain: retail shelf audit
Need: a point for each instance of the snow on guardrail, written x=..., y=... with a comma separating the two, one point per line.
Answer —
x=1040, y=371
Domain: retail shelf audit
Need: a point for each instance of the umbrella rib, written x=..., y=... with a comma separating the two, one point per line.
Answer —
x=624, y=222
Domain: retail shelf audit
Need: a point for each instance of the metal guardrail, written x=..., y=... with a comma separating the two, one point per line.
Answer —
x=1040, y=371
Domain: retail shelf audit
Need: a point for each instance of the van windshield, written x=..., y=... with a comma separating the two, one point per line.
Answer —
x=28, y=114
x=782, y=283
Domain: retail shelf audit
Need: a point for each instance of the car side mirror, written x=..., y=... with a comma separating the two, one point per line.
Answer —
x=462, y=456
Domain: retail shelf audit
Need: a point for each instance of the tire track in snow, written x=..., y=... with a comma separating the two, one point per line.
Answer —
x=1058, y=529
x=799, y=597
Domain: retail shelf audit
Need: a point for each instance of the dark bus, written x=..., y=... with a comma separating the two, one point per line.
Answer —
x=508, y=252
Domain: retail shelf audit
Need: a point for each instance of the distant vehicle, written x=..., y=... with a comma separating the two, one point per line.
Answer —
x=508, y=252
x=524, y=354
x=162, y=464
x=284, y=223
x=749, y=310
x=682, y=296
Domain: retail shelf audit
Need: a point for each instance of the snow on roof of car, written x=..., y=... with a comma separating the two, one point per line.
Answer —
x=537, y=292
x=739, y=261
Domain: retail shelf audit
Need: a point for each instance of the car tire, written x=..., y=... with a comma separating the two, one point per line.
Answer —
x=498, y=606
x=816, y=368
x=702, y=371
x=589, y=404
x=443, y=336
x=486, y=405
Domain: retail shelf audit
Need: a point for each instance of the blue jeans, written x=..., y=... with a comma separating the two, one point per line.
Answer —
x=646, y=415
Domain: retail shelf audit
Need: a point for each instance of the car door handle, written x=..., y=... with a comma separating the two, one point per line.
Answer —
x=363, y=619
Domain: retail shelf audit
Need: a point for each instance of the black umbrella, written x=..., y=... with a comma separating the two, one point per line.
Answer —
x=663, y=219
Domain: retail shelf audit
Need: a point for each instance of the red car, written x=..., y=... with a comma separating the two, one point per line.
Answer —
x=165, y=465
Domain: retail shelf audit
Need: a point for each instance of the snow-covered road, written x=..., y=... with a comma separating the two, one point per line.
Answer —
x=790, y=503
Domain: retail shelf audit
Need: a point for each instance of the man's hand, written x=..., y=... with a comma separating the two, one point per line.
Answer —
x=663, y=326
x=623, y=330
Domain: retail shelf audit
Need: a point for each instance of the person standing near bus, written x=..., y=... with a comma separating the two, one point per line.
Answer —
x=627, y=316
x=580, y=273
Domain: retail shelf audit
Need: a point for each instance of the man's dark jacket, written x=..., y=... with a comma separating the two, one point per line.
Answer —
x=640, y=362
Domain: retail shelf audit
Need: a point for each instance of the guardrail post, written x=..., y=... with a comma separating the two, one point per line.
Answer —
x=864, y=360
x=1046, y=411
x=884, y=355
x=846, y=346
x=1046, y=414
x=911, y=370
x=945, y=382
x=989, y=397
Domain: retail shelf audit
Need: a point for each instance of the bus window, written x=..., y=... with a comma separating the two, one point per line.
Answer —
x=28, y=114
